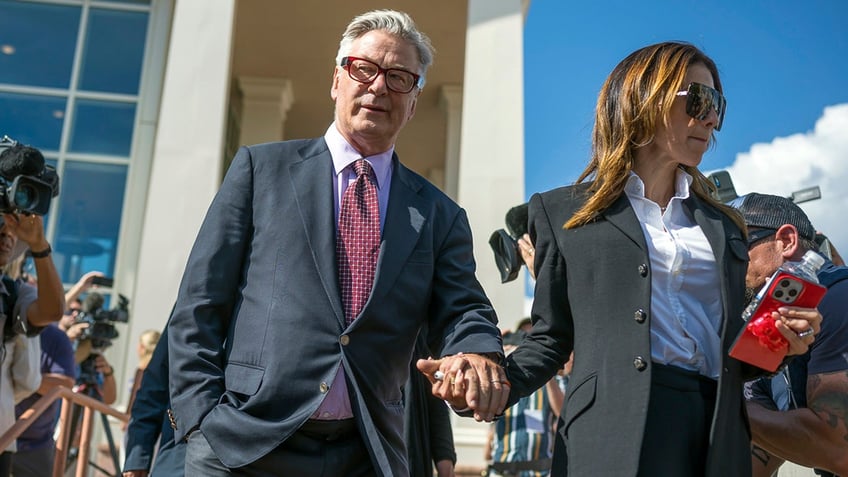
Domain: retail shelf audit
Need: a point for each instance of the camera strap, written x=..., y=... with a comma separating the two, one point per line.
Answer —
x=7, y=306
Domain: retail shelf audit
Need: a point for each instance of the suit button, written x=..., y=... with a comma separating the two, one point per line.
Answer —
x=643, y=270
x=344, y=340
x=324, y=387
x=640, y=316
x=639, y=363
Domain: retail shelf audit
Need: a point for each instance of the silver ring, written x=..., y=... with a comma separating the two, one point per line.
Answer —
x=806, y=333
x=439, y=376
x=532, y=251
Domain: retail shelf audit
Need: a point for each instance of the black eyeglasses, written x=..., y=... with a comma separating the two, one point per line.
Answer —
x=397, y=80
x=701, y=99
x=755, y=235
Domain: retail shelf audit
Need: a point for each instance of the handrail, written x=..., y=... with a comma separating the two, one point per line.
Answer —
x=69, y=397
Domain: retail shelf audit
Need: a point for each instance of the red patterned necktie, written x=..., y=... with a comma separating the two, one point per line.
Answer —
x=358, y=240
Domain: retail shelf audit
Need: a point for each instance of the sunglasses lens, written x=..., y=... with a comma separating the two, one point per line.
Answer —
x=700, y=99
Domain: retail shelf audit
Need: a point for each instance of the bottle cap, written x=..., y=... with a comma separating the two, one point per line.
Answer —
x=815, y=260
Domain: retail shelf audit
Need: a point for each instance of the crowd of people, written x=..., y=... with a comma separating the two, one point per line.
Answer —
x=340, y=344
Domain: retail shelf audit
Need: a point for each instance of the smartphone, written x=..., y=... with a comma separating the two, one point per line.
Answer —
x=103, y=281
x=760, y=342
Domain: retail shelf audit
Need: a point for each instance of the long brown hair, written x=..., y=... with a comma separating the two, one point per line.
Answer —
x=636, y=96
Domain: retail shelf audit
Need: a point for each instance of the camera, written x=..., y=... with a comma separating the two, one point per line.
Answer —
x=100, y=331
x=505, y=243
x=27, y=184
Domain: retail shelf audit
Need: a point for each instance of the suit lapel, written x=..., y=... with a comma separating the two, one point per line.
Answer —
x=312, y=185
x=406, y=216
x=621, y=215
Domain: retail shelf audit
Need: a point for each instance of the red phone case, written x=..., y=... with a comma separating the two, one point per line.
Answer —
x=760, y=343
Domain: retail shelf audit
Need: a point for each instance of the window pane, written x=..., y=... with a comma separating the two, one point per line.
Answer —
x=37, y=43
x=89, y=219
x=31, y=119
x=102, y=127
x=113, y=52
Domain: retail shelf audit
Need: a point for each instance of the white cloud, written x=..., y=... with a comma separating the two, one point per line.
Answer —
x=788, y=164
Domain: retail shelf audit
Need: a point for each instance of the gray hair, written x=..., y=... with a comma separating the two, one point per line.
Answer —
x=397, y=23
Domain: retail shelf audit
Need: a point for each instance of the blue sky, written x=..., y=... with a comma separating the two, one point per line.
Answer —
x=782, y=63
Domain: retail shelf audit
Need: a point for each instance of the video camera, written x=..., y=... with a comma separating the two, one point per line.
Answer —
x=100, y=331
x=27, y=184
x=505, y=244
x=101, y=323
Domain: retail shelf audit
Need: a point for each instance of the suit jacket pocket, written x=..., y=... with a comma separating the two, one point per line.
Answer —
x=580, y=399
x=243, y=378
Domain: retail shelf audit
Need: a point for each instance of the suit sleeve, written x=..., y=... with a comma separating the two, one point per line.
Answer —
x=546, y=348
x=461, y=316
x=207, y=297
x=148, y=410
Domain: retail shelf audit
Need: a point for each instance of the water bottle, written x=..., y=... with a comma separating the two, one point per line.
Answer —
x=807, y=269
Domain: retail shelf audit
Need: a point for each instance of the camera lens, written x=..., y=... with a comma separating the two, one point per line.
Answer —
x=25, y=197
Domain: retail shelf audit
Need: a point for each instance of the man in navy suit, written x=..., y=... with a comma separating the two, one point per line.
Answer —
x=267, y=376
x=148, y=424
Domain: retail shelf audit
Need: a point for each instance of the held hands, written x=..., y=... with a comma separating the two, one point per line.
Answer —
x=799, y=326
x=468, y=381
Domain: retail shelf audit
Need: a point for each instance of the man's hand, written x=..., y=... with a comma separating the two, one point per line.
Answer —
x=794, y=324
x=469, y=381
x=528, y=253
x=76, y=330
x=27, y=228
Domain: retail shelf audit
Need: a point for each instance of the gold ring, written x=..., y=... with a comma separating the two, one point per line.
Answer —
x=532, y=251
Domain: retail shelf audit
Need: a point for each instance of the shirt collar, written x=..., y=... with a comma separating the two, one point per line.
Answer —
x=344, y=154
x=636, y=188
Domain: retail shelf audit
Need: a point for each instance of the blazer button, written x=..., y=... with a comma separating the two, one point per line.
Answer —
x=639, y=363
x=344, y=340
x=640, y=316
x=324, y=387
x=643, y=270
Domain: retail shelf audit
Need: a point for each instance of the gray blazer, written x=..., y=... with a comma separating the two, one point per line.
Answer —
x=258, y=332
x=593, y=295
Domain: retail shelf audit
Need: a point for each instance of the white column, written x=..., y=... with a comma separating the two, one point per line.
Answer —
x=450, y=99
x=187, y=153
x=265, y=103
x=491, y=166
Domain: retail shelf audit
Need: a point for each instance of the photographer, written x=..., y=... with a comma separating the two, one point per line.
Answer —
x=25, y=308
x=33, y=307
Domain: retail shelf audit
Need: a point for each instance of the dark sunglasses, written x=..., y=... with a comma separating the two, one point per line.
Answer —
x=755, y=235
x=701, y=99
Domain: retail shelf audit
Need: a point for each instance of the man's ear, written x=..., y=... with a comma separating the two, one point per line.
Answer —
x=334, y=86
x=414, y=103
x=787, y=234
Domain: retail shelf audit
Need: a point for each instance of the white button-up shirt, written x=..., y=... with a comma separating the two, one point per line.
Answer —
x=685, y=297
